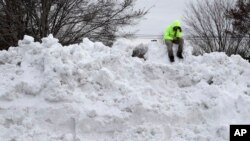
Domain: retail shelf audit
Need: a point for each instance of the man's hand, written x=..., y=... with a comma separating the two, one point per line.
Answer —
x=177, y=28
x=176, y=40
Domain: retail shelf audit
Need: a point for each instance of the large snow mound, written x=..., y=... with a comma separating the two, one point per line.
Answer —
x=90, y=92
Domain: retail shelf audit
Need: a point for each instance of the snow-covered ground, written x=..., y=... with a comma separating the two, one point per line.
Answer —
x=90, y=92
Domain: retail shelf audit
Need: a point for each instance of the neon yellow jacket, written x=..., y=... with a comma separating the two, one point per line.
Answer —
x=169, y=33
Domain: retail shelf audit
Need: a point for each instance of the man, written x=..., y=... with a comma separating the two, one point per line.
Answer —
x=173, y=35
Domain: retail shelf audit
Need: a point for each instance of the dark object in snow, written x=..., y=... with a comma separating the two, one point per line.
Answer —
x=140, y=51
x=210, y=81
x=18, y=64
x=2, y=63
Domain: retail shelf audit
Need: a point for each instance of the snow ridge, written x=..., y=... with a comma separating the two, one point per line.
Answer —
x=90, y=92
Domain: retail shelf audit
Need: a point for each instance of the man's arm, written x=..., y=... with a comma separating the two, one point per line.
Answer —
x=167, y=35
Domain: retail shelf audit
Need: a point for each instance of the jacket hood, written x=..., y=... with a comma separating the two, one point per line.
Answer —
x=176, y=23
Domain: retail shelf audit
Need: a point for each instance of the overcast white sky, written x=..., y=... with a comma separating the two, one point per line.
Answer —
x=161, y=14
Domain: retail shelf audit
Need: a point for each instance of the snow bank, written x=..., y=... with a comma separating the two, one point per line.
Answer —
x=90, y=92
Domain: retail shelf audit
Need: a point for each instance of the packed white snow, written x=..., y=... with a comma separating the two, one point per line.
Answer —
x=91, y=92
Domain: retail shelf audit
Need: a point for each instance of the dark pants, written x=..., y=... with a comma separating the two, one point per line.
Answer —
x=169, y=43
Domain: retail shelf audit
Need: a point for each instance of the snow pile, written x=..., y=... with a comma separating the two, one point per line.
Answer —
x=90, y=92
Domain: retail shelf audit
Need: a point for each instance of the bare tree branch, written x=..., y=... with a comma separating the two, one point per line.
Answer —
x=68, y=20
x=208, y=20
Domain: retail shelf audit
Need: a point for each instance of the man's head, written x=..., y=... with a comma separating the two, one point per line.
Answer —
x=176, y=25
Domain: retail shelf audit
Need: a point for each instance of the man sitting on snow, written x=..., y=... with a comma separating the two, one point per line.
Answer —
x=173, y=35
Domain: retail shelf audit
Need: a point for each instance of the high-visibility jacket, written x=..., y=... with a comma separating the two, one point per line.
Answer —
x=170, y=34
